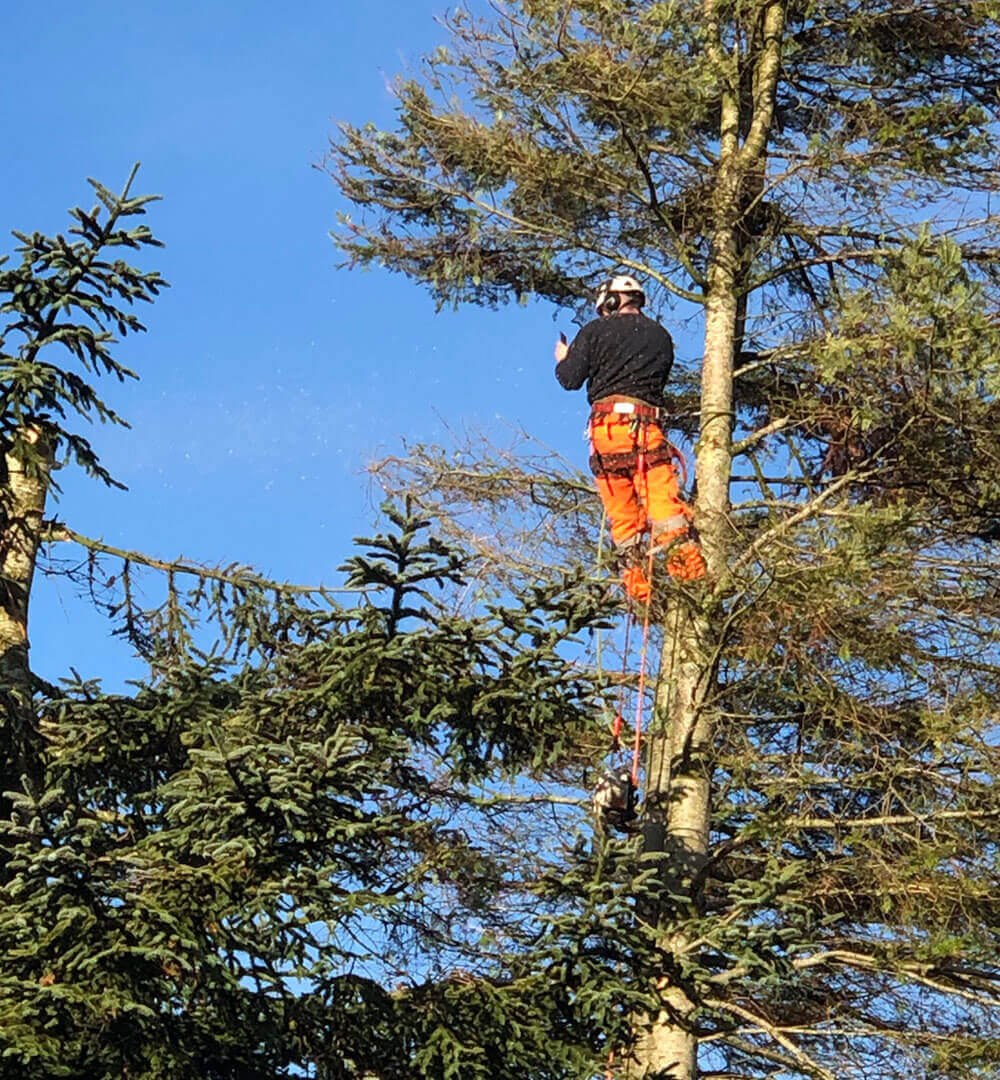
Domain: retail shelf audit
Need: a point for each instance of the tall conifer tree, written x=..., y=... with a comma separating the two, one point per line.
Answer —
x=295, y=846
x=821, y=802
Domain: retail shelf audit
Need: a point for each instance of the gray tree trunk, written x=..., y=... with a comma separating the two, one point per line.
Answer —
x=678, y=785
x=22, y=509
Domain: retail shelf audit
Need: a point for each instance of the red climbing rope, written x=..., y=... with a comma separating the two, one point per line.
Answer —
x=616, y=727
x=643, y=471
x=616, y=793
x=641, y=693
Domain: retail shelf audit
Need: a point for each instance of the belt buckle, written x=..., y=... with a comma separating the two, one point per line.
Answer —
x=623, y=407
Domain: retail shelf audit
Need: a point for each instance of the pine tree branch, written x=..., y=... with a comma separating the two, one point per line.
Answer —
x=836, y=258
x=775, y=426
x=923, y=973
x=528, y=800
x=889, y=820
x=238, y=577
x=569, y=238
x=807, y=511
x=680, y=251
x=751, y=1050
x=778, y=1034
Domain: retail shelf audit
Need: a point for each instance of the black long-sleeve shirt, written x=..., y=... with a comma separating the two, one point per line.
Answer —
x=627, y=354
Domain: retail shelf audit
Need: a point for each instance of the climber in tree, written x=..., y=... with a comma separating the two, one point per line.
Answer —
x=625, y=358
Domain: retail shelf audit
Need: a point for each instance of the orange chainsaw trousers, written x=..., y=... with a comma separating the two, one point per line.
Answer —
x=633, y=466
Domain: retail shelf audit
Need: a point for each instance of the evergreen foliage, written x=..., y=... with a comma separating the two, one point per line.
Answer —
x=303, y=842
x=69, y=294
x=72, y=291
x=818, y=177
x=240, y=868
x=347, y=837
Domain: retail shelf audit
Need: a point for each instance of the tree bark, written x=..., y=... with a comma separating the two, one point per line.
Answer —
x=677, y=811
x=22, y=509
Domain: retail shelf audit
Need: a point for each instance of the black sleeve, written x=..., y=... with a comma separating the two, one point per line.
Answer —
x=572, y=372
x=668, y=349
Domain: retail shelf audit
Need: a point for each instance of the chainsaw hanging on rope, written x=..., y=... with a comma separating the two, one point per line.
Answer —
x=615, y=800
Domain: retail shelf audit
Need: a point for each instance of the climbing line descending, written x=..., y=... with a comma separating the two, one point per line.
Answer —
x=641, y=691
x=616, y=795
x=616, y=731
x=668, y=671
x=643, y=471
x=599, y=565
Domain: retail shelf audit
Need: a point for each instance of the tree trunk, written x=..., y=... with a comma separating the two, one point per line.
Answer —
x=677, y=812
x=22, y=508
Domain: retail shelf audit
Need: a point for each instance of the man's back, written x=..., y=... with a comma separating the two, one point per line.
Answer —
x=627, y=354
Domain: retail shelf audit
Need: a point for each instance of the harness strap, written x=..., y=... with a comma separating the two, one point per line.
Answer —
x=626, y=463
x=638, y=459
x=626, y=407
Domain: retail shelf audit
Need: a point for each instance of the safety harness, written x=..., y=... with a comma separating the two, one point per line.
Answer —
x=641, y=415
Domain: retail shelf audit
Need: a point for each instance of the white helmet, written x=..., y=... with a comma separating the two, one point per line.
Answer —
x=609, y=294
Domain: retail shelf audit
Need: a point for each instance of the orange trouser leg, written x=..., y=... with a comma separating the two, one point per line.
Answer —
x=667, y=511
x=613, y=442
x=621, y=503
x=670, y=520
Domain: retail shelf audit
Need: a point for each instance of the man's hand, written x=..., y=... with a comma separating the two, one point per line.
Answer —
x=561, y=349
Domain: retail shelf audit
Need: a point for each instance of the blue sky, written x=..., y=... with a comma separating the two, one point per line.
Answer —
x=268, y=377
